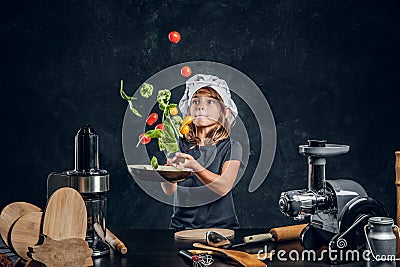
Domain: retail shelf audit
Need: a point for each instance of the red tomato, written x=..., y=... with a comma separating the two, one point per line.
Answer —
x=186, y=71
x=144, y=139
x=174, y=36
x=153, y=117
x=160, y=126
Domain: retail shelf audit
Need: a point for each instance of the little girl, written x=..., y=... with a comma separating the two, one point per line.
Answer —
x=213, y=156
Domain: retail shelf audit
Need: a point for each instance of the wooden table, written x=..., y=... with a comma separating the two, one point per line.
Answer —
x=152, y=248
x=148, y=247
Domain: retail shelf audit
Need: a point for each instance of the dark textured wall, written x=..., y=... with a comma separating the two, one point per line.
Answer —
x=329, y=69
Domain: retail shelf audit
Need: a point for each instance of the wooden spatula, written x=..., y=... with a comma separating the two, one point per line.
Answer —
x=25, y=232
x=10, y=214
x=65, y=215
x=242, y=257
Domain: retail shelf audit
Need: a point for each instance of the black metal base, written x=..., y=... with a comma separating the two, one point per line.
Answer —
x=351, y=236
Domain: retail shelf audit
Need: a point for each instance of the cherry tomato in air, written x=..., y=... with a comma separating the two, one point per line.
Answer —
x=174, y=37
x=144, y=139
x=186, y=71
x=185, y=129
x=173, y=111
x=153, y=117
x=160, y=126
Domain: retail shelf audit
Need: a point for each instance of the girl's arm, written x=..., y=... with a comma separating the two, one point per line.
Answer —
x=169, y=188
x=219, y=183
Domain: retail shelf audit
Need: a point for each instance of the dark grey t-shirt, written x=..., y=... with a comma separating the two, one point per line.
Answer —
x=219, y=213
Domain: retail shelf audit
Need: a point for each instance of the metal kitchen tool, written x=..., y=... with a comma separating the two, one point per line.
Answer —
x=90, y=181
x=217, y=240
x=283, y=233
x=337, y=209
x=381, y=241
x=162, y=173
x=200, y=234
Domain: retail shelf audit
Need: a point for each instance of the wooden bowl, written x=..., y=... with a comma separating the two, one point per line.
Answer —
x=169, y=173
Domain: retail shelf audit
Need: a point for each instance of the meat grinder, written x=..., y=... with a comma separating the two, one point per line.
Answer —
x=91, y=182
x=337, y=209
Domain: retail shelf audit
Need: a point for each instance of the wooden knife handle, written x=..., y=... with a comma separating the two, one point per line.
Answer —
x=257, y=238
x=397, y=169
x=115, y=243
x=287, y=232
x=396, y=233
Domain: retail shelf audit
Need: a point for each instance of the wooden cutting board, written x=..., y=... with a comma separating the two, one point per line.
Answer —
x=200, y=234
x=10, y=214
x=242, y=257
x=65, y=215
x=25, y=232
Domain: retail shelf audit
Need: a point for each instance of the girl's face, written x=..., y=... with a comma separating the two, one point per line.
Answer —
x=205, y=110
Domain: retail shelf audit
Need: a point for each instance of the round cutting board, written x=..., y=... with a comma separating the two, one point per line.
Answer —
x=10, y=214
x=25, y=233
x=65, y=216
x=200, y=234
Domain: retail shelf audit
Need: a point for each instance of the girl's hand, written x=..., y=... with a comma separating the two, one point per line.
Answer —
x=189, y=162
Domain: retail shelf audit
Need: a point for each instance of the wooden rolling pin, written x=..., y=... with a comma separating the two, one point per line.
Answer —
x=397, y=182
x=278, y=234
x=111, y=239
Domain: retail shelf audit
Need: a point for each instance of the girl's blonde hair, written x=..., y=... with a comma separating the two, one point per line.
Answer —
x=222, y=129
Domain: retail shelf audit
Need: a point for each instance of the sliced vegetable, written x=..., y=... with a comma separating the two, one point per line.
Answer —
x=173, y=111
x=187, y=120
x=134, y=110
x=168, y=139
x=160, y=127
x=129, y=99
x=154, y=163
x=163, y=98
x=153, y=117
x=146, y=90
x=144, y=139
x=157, y=133
x=185, y=129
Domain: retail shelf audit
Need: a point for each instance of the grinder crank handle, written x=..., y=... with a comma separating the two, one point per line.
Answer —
x=278, y=234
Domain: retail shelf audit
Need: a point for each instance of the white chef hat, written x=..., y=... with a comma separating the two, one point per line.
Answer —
x=202, y=80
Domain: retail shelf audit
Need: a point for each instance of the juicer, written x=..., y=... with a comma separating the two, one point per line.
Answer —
x=337, y=209
x=91, y=182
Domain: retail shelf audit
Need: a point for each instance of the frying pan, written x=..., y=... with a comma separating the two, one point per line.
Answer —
x=162, y=173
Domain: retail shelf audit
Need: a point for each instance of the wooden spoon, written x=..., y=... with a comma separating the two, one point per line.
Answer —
x=25, y=232
x=242, y=257
x=65, y=216
x=10, y=214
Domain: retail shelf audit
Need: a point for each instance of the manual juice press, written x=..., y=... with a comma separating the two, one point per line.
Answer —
x=337, y=209
x=91, y=182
